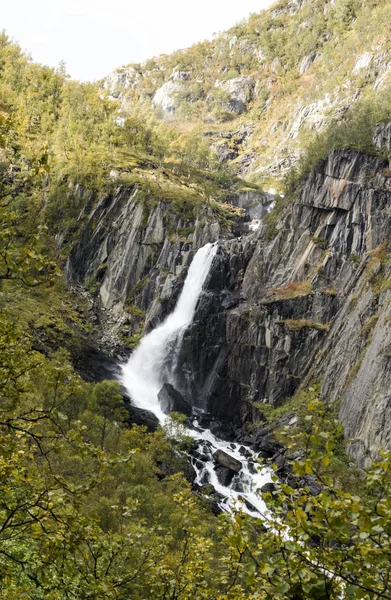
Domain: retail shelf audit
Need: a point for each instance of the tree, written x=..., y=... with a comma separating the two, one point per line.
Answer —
x=109, y=405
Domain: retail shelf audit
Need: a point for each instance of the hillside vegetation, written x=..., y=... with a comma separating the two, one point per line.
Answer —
x=91, y=507
x=79, y=137
x=263, y=89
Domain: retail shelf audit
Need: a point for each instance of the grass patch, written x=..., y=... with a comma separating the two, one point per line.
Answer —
x=330, y=291
x=60, y=323
x=293, y=289
x=132, y=341
x=295, y=404
x=369, y=325
x=321, y=242
x=135, y=311
x=380, y=284
x=355, y=259
x=299, y=324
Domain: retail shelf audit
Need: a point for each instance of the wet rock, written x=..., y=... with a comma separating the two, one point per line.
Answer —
x=227, y=461
x=224, y=475
x=238, y=486
x=189, y=471
x=245, y=451
x=205, y=478
x=199, y=463
x=172, y=401
x=248, y=504
x=95, y=365
x=268, y=488
x=248, y=439
x=267, y=446
x=199, y=456
x=140, y=416
x=218, y=428
x=216, y=509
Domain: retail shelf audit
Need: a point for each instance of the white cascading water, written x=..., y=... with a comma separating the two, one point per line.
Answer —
x=143, y=378
x=142, y=375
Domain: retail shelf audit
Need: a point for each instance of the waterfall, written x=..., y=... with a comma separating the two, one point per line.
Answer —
x=144, y=375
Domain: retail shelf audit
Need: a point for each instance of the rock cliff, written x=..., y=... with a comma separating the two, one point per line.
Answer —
x=311, y=304
x=133, y=256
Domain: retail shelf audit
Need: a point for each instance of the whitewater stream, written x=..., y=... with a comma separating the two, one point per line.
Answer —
x=146, y=372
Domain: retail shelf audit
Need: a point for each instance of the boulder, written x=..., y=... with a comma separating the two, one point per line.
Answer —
x=172, y=401
x=227, y=461
x=268, y=488
x=205, y=478
x=224, y=475
x=189, y=472
x=166, y=98
x=140, y=416
x=245, y=451
x=240, y=91
x=267, y=446
x=216, y=426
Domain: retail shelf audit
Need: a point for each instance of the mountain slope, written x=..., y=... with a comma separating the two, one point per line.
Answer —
x=259, y=91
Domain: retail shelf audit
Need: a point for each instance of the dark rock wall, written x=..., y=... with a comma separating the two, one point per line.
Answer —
x=136, y=255
x=312, y=304
x=269, y=340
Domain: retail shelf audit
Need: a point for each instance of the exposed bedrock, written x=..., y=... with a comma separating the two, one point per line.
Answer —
x=135, y=257
x=312, y=303
x=172, y=401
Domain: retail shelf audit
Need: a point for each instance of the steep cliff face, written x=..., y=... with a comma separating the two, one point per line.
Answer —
x=311, y=305
x=132, y=255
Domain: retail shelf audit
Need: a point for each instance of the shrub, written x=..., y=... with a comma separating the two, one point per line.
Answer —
x=299, y=324
x=293, y=289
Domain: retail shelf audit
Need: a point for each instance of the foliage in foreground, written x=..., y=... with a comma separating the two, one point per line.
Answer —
x=87, y=509
x=85, y=512
x=90, y=508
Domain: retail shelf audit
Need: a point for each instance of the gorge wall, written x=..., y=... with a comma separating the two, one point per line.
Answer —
x=311, y=304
